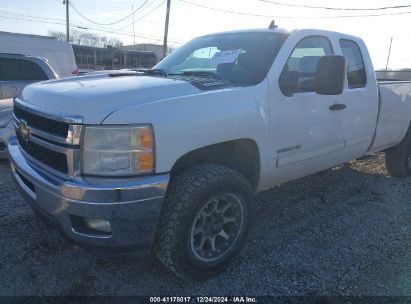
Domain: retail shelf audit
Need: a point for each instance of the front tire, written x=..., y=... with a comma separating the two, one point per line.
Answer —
x=205, y=221
x=398, y=158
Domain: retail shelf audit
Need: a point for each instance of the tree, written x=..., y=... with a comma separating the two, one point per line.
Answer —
x=59, y=35
x=86, y=38
x=114, y=42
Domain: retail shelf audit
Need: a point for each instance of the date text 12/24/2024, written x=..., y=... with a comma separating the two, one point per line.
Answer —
x=201, y=299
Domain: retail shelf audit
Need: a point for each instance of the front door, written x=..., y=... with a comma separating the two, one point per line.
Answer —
x=307, y=136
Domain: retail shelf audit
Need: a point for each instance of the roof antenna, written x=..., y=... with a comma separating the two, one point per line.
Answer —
x=272, y=25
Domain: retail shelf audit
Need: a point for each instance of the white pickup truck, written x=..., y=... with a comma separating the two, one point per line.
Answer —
x=169, y=160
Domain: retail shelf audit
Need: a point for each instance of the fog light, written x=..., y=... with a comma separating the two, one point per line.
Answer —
x=97, y=224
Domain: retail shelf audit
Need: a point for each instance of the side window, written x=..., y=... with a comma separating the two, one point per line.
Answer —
x=20, y=69
x=355, y=65
x=298, y=74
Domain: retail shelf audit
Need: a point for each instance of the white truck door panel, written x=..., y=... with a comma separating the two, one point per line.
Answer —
x=360, y=97
x=314, y=133
x=395, y=114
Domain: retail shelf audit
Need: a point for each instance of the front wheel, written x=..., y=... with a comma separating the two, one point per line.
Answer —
x=205, y=221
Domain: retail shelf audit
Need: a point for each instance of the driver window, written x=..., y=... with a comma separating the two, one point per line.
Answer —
x=198, y=60
x=298, y=75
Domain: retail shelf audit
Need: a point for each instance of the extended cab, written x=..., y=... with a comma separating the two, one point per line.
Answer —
x=169, y=160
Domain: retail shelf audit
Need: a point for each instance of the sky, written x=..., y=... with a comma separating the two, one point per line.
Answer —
x=190, y=19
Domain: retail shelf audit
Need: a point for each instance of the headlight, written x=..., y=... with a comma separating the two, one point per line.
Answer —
x=5, y=120
x=118, y=151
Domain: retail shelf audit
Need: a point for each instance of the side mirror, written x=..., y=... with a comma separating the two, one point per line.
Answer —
x=289, y=83
x=330, y=75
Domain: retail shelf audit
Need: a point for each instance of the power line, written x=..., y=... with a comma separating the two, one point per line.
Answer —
x=115, y=13
x=144, y=36
x=142, y=17
x=9, y=12
x=289, y=17
x=111, y=23
x=79, y=25
x=226, y=11
x=337, y=8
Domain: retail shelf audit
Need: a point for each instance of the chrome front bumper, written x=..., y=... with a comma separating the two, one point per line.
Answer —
x=132, y=206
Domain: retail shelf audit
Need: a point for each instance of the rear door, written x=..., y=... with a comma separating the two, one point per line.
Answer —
x=360, y=98
x=16, y=73
x=306, y=135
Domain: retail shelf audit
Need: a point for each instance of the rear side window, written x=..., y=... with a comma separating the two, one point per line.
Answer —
x=298, y=74
x=355, y=65
x=20, y=69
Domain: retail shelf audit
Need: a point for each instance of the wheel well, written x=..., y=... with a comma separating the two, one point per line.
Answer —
x=241, y=155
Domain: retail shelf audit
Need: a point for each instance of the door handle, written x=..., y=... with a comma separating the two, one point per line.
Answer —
x=337, y=106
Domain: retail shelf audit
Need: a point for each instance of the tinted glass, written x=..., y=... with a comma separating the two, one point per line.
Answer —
x=239, y=58
x=355, y=65
x=20, y=69
x=298, y=74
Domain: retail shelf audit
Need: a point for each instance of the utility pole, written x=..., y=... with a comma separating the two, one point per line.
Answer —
x=134, y=32
x=388, y=58
x=66, y=2
x=166, y=29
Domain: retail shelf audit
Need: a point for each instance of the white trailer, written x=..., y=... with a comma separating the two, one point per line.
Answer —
x=59, y=54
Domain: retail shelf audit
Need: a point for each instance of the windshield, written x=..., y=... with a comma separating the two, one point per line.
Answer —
x=239, y=58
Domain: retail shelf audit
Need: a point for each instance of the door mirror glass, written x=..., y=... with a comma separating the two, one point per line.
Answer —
x=330, y=75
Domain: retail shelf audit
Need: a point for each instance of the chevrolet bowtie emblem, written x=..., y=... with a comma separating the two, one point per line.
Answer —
x=24, y=130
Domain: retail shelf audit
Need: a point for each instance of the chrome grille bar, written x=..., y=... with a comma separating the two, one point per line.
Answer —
x=69, y=146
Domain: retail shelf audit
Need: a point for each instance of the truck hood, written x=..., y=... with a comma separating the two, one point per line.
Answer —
x=95, y=98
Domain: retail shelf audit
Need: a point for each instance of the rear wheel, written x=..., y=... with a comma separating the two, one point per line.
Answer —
x=398, y=158
x=205, y=221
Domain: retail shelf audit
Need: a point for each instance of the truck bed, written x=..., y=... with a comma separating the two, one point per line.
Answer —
x=394, y=113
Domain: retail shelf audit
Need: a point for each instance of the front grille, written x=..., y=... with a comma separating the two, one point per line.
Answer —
x=44, y=124
x=55, y=160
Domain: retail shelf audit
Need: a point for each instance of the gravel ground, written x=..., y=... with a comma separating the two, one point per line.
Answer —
x=344, y=231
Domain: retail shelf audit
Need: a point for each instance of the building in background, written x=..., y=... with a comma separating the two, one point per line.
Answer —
x=155, y=48
x=96, y=58
x=404, y=75
x=86, y=57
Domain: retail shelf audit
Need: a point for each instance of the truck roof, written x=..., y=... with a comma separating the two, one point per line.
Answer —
x=256, y=30
x=285, y=31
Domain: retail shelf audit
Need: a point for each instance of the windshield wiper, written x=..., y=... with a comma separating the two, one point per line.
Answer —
x=159, y=72
x=200, y=73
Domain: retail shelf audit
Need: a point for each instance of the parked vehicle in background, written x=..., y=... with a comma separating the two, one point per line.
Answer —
x=59, y=54
x=169, y=160
x=17, y=71
x=6, y=125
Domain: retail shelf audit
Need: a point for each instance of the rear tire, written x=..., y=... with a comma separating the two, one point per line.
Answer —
x=205, y=221
x=398, y=158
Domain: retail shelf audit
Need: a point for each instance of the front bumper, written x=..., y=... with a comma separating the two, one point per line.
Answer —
x=132, y=206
